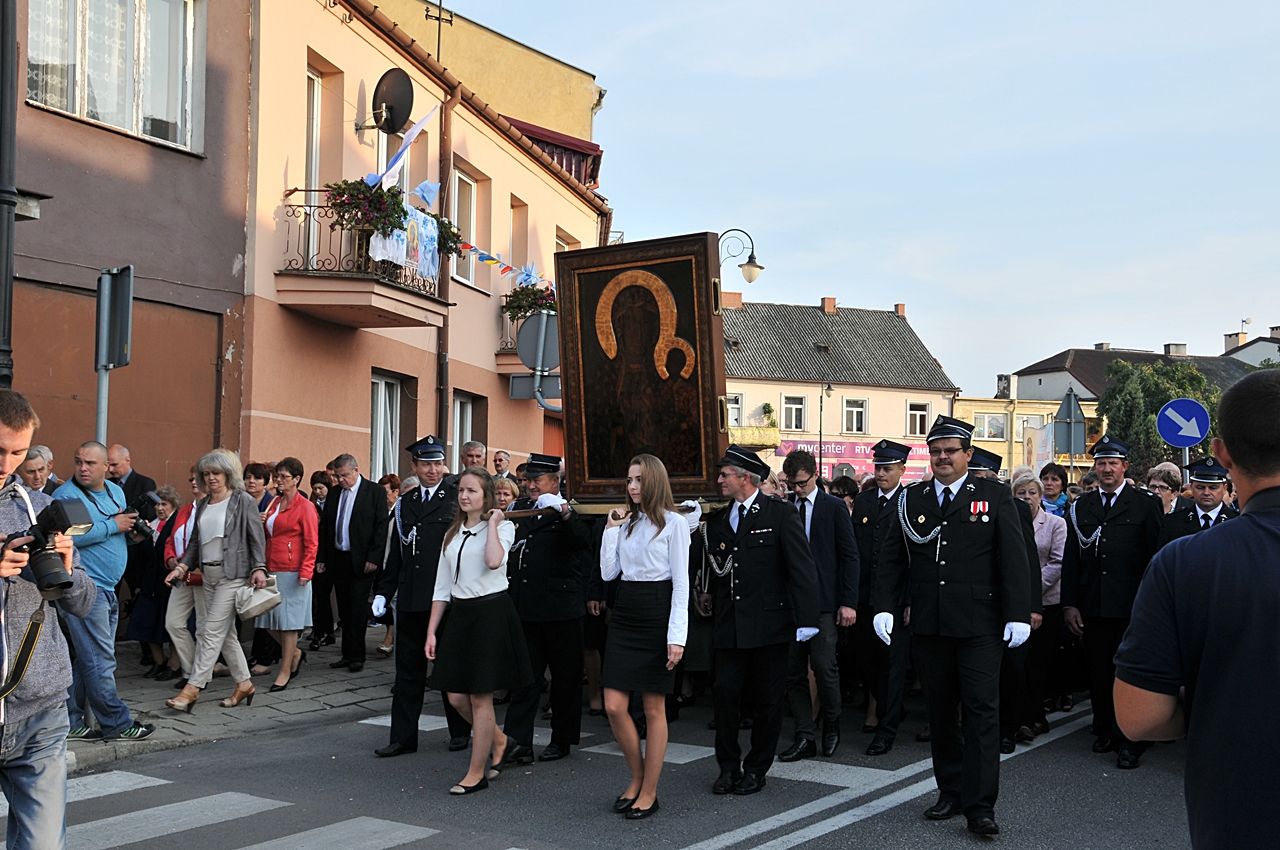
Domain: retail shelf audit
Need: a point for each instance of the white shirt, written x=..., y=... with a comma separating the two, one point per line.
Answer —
x=652, y=555
x=342, y=529
x=1212, y=515
x=954, y=487
x=1115, y=495
x=213, y=527
x=737, y=508
x=470, y=578
x=427, y=493
x=812, y=499
x=891, y=493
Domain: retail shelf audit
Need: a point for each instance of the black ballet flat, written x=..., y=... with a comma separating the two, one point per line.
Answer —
x=641, y=814
x=622, y=805
x=460, y=790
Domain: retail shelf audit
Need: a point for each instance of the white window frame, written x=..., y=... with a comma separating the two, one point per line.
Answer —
x=928, y=416
x=190, y=81
x=464, y=267
x=313, y=160
x=384, y=156
x=384, y=425
x=787, y=409
x=1021, y=424
x=844, y=415
x=733, y=409
x=463, y=416
x=981, y=431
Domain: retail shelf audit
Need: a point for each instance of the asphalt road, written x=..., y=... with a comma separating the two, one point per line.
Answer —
x=317, y=785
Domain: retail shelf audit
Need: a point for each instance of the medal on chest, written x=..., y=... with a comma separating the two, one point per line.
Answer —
x=978, y=510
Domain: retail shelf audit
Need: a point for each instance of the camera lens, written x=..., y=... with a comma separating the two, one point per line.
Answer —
x=50, y=574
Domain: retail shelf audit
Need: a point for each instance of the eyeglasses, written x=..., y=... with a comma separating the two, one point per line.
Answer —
x=939, y=452
x=795, y=482
x=1159, y=488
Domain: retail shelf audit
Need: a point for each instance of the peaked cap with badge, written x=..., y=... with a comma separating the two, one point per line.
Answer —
x=745, y=459
x=1109, y=446
x=887, y=451
x=983, y=459
x=1207, y=470
x=945, y=427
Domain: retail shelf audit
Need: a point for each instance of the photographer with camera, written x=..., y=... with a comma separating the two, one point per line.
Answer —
x=104, y=553
x=33, y=655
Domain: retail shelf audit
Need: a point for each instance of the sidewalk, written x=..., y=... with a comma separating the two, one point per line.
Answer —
x=316, y=695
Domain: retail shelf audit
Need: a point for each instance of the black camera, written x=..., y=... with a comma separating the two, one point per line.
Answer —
x=141, y=526
x=68, y=516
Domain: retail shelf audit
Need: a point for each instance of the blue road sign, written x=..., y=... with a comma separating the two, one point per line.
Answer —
x=1183, y=423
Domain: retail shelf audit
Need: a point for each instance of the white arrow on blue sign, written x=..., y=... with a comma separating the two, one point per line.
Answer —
x=1183, y=423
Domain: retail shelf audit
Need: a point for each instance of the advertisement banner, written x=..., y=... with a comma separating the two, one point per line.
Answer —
x=841, y=457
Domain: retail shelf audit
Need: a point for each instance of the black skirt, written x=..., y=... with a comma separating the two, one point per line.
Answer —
x=480, y=647
x=635, y=655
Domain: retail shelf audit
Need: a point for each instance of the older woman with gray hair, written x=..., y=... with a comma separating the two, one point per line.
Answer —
x=228, y=545
x=1042, y=651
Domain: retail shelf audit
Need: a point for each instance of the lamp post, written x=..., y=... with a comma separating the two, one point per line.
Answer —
x=8, y=192
x=824, y=394
x=750, y=269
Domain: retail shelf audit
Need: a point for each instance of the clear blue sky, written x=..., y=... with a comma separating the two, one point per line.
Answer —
x=1026, y=177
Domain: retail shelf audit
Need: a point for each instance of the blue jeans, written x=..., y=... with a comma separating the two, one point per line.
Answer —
x=93, y=675
x=33, y=775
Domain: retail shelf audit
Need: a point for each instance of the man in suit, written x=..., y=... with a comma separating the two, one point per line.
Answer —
x=884, y=668
x=1209, y=487
x=34, y=473
x=422, y=516
x=502, y=465
x=473, y=454
x=548, y=588
x=353, y=537
x=133, y=483
x=835, y=556
x=1112, y=534
x=955, y=548
x=765, y=597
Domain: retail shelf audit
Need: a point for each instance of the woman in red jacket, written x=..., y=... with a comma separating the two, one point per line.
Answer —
x=293, y=536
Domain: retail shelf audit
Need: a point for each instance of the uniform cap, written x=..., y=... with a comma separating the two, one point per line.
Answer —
x=984, y=459
x=945, y=427
x=1109, y=446
x=1207, y=470
x=541, y=465
x=887, y=451
x=746, y=459
x=428, y=448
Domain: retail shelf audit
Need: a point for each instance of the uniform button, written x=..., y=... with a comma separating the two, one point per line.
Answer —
x=944, y=543
x=1104, y=572
x=737, y=597
x=944, y=522
x=942, y=563
x=941, y=583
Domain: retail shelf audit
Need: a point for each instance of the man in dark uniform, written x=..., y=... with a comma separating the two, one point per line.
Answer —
x=1209, y=487
x=422, y=516
x=765, y=597
x=547, y=587
x=955, y=548
x=1014, y=690
x=1112, y=533
x=884, y=668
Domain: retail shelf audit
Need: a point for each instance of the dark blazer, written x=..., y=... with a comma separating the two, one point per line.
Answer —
x=773, y=588
x=870, y=523
x=1102, y=580
x=367, y=529
x=50, y=486
x=835, y=553
x=1033, y=554
x=544, y=571
x=411, y=567
x=134, y=486
x=1183, y=523
x=973, y=577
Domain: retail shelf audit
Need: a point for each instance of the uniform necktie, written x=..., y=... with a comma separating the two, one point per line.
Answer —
x=884, y=500
x=1206, y=522
x=946, y=498
x=1106, y=502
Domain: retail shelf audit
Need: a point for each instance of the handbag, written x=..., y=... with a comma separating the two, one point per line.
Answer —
x=253, y=601
x=193, y=577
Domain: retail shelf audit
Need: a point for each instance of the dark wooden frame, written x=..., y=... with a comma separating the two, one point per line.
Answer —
x=701, y=252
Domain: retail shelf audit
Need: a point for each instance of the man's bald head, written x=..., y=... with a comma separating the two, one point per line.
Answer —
x=119, y=463
x=91, y=464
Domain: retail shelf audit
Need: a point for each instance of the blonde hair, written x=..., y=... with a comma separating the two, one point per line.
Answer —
x=507, y=484
x=655, y=492
x=1028, y=479
x=221, y=460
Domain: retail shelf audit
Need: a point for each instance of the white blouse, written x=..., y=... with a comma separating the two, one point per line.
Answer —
x=213, y=528
x=462, y=573
x=653, y=555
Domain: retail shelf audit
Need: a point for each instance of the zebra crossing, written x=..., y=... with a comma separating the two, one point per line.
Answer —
x=151, y=822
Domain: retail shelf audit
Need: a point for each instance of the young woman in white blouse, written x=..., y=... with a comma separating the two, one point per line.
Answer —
x=480, y=647
x=649, y=546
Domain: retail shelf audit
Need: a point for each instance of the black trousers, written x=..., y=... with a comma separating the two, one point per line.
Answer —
x=352, y=584
x=558, y=645
x=891, y=686
x=865, y=661
x=1102, y=637
x=1015, y=701
x=411, y=682
x=757, y=677
x=321, y=608
x=963, y=672
x=1042, y=662
x=818, y=653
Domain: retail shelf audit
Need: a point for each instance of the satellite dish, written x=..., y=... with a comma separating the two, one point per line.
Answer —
x=392, y=101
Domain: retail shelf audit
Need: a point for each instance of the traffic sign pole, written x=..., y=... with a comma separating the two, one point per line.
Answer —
x=1186, y=473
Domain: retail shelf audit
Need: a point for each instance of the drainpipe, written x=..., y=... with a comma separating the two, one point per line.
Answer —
x=446, y=264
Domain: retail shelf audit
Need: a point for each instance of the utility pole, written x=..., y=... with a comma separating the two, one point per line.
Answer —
x=8, y=189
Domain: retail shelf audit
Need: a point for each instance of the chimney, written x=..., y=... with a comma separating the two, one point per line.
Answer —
x=1176, y=349
x=1275, y=331
x=1102, y=346
x=829, y=306
x=900, y=309
x=731, y=300
x=1234, y=340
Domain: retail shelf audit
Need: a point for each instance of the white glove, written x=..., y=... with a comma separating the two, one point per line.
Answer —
x=804, y=633
x=883, y=624
x=379, y=606
x=550, y=500
x=1016, y=634
x=694, y=516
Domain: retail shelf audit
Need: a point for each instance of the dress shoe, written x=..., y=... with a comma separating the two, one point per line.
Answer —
x=516, y=754
x=459, y=743
x=750, y=783
x=1039, y=729
x=355, y=666
x=1008, y=745
x=1128, y=759
x=879, y=746
x=983, y=825
x=943, y=810
x=394, y=749
x=1104, y=744
x=1024, y=735
x=181, y=683
x=641, y=814
x=830, y=739
x=924, y=736
x=339, y=664
x=803, y=748
x=868, y=728
x=725, y=782
x=153, y=670
x=555, y=752
x=168, y=674
x=622, y=805
x=460, y=789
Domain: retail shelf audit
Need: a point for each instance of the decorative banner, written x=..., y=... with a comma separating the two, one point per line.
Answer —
x=391, y=175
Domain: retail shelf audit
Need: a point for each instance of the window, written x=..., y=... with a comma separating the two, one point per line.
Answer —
x=462, y=409
x=917, y=418
x=1026, y=421
x=733, y=403
x=384, y=426
x=464, y=218
x=855, y=416
x=127, y=63
x=989, y=426
x=793, y=413
x=313, y=159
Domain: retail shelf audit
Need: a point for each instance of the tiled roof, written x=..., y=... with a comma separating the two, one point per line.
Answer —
x=795, y=342
x=1089, y=366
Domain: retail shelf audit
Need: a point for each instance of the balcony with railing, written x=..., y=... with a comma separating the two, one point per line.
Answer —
x=327, y=272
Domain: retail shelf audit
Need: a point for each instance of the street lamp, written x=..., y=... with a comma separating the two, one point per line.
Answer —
x=825, y=394
x=750, y=269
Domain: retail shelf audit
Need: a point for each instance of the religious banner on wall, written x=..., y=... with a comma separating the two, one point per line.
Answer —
x=642, y=364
